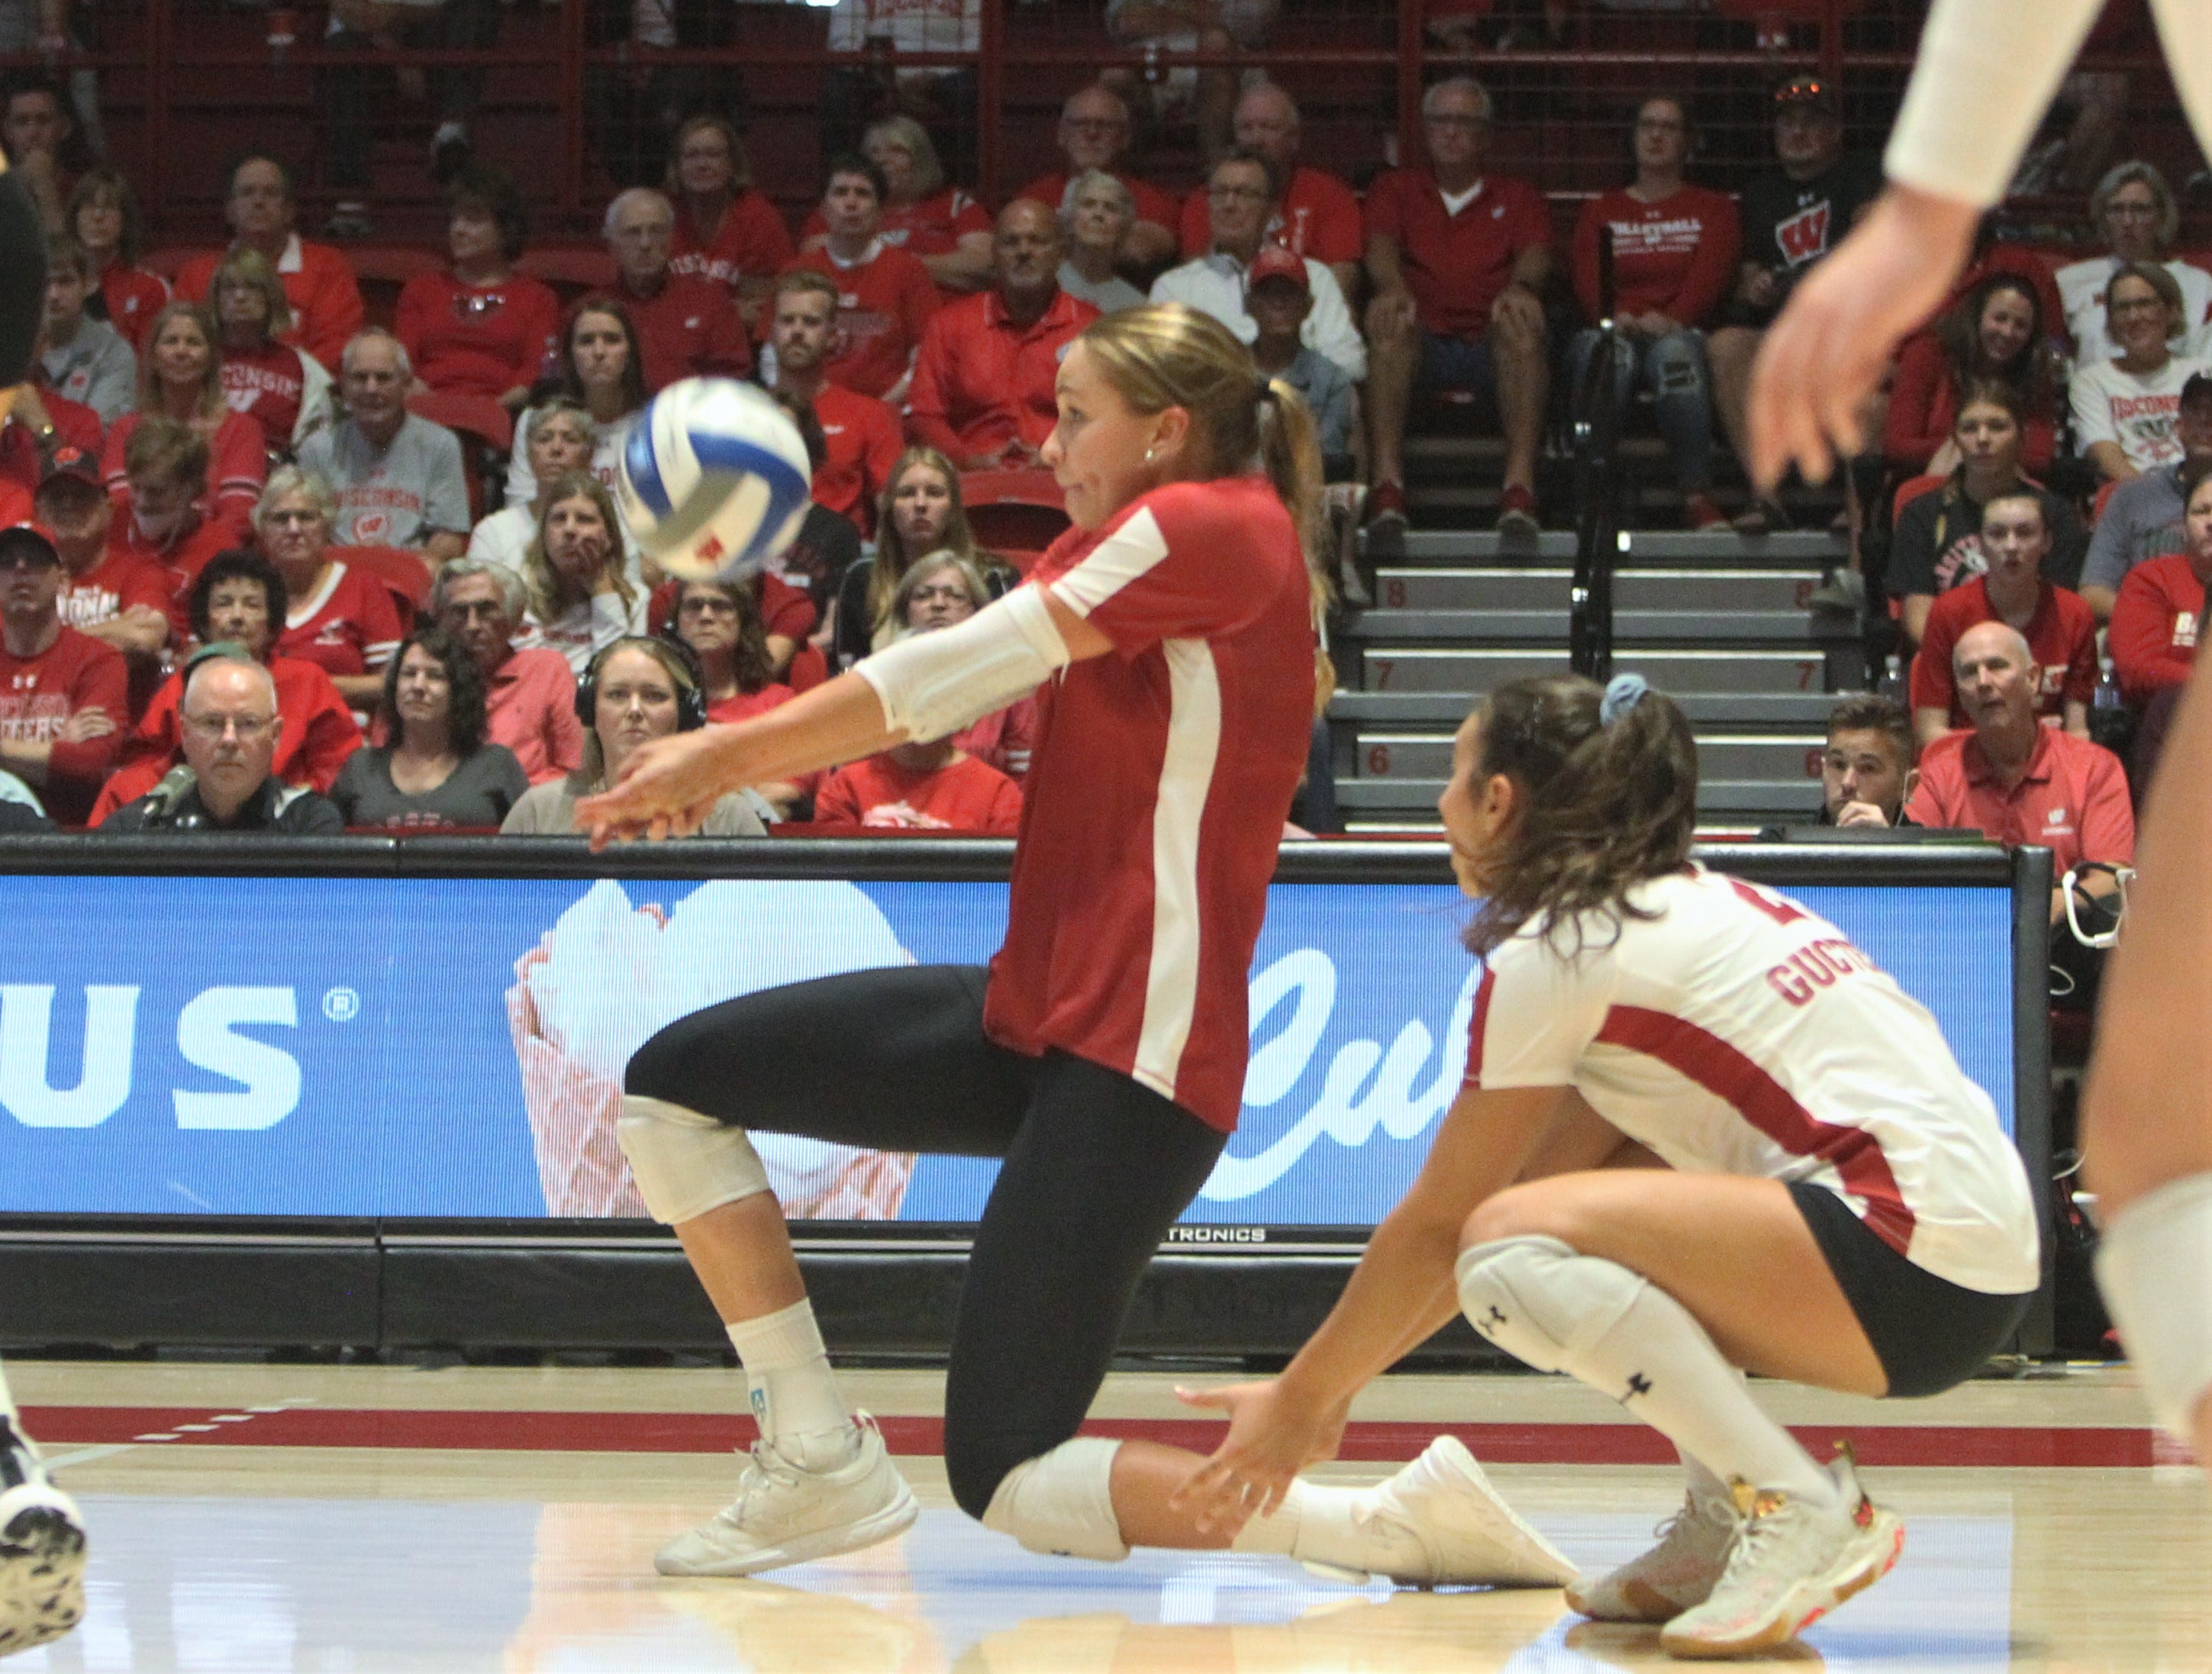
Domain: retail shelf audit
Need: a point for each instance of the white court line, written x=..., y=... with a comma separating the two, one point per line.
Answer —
x=87, y=1455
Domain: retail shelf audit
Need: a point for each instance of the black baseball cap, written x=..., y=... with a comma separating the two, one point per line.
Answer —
x=2197, y=388
x=21, y=537
x=70, y=466
x=1817, y=91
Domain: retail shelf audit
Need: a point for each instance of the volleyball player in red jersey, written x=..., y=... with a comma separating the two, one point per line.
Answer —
x=1170, y=638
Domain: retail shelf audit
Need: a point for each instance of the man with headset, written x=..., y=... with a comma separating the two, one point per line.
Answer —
x=636, y=690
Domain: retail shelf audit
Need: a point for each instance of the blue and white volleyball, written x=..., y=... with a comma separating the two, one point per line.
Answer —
x=714, y=478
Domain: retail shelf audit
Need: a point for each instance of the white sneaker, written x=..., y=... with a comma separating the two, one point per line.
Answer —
x=1793, y=1562
x=41, y=1550
x=785, y=1515
x=1679, y=1571
x=1438, y=1522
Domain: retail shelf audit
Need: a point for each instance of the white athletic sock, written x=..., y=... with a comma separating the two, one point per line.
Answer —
x=795, y=1397
x=1702, y=1483
x=1659, y=1363
x=1321, y=1522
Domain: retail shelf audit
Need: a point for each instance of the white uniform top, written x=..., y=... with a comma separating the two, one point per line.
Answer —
x=1738, y=1034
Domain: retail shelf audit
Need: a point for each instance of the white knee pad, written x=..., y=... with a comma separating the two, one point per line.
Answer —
x=2154, y=1266
x=1542, y=1300
x=1062, y=1502
x=685, y=1163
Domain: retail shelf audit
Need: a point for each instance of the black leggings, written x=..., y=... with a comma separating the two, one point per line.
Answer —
x=1097, y=1168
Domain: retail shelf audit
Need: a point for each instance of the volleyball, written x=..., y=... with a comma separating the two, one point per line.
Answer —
x=714, y=478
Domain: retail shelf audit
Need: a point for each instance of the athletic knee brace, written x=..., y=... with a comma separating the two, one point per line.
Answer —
x=1542, y=1300
x=2153, y=1264
x=685, y=1163
x=1062, y=1502
x=932, y=684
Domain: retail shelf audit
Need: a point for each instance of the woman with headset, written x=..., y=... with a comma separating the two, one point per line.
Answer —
x=635, y=691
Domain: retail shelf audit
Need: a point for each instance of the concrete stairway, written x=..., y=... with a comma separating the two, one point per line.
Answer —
x=1718, y=623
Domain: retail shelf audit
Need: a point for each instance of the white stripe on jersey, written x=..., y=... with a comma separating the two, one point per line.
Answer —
x=1186, y=777
x=1123, y=557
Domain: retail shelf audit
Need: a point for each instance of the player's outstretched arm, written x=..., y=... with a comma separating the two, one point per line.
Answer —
x=1987, y=72
x=999, y=654
x=1400, y=1287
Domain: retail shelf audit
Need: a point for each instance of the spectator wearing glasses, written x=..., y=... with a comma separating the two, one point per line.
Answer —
x=530, y=695
x=103, y=214
x=1458, y=258
x=1094, y=132
x=2133, y=210
x=226, y=780
x=1675, y=252
x=319, y=281
x=239, y=601
x=1242, y=192
x=439, y=771
x=1315, y=213
x=338, y=617
x=2126, y=406
x=687, y=327
x=480, y=327
x=284, y=392
x=63, y=694
x=983, y=379
x=726, y=229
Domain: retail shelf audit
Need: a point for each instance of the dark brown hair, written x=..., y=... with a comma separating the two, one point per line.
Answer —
x=465, y=719
x=2031, y=372
x=749, y=662
x=1602, y=807
x=1871, y=712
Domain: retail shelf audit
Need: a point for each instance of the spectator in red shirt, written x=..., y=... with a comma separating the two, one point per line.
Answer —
x=935, y=788
x=860, y=435
x=182, y=379
x=103, y=213
x=940, y=225
x=164, y=480
x=983, y=379
x=2060, y=630
x=120, y=599
x=339, y=617
x=941, y=590
x=240, y=598
x=2017, y=780
x=1094, y=132
x=1997, y=334
x=319, y=281
x=530, y=695
x=687, y=327
x=884, y=296
x=285, y=391
x=1459, y=259
x=725, y=229
x=1675, y=248
x=721, y=623
x=2160, y=610
x=480, y=328
x=62, y=693
x=1317, y=216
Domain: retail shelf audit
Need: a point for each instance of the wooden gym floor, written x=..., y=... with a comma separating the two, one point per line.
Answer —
x=356, y=1520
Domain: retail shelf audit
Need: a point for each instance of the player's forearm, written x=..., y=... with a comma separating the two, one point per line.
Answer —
x=1410, y=1256
x=1987, y=72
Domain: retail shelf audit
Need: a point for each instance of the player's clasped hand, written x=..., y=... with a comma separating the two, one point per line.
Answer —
x=666, y=788
x=1272, y=1435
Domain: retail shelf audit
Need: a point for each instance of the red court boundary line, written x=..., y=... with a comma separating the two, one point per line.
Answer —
x=1952, y=1445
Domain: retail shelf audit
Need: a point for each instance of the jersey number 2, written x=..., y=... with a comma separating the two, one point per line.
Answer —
x=1773, y=905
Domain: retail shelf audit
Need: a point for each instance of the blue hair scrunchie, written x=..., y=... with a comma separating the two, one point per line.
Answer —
x=1622, y=693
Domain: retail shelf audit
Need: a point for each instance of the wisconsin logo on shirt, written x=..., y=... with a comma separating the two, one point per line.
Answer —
x=2184, y=630
x=1804, y=236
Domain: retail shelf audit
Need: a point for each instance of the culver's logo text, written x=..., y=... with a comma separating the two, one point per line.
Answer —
x=40, y=1094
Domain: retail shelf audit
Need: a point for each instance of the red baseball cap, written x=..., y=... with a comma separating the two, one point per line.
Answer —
x=1276, y=261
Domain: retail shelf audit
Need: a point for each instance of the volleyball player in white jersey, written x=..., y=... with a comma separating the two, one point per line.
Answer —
x=41, y=1535
x=1103, y=1056
x=1701, y=1135
x=1987, y=71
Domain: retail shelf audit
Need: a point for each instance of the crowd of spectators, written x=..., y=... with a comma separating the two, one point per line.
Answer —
x=236, y=455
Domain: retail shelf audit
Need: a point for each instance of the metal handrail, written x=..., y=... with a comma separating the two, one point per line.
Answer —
x=1595, y=416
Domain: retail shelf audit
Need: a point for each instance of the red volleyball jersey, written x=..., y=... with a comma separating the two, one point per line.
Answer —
x=1157, y=790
